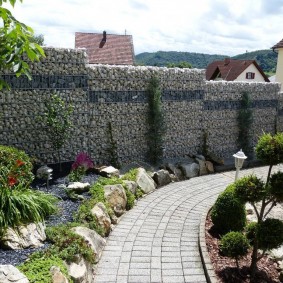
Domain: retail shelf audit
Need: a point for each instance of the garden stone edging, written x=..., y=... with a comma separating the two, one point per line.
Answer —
x=206, y=262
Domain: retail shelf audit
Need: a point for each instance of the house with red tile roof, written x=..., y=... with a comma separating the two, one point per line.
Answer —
x=278, y=47
x=235, y=70
x=103, y=48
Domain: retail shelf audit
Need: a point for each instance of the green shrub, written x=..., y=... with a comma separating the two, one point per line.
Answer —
x=131, y=175
x=251, y=232
x=15, y=167
x=276, y=186
x=234, y=244
x=228, y=213
x=76, y=175
x=130, y=199
x=37, y=268
x=270, y=234
x=67, y=244
x=85, y=216
x=139, y=193
x=250, y=189
x=269, y=149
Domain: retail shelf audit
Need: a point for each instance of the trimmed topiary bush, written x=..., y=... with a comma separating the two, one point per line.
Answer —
x=269, y=149
x=270, y=234
x=276, y=186
x=234, y=245
x=228, y=213
x=250, y=189
x=251, y=232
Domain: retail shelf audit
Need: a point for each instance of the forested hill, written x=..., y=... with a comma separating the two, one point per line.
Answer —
x=265, y=58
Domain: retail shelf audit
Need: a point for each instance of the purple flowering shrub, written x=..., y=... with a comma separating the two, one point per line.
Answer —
x=79, y=168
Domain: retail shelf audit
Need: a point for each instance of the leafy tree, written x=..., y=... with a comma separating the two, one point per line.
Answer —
x=16, y=41
x=39, y=39
x=182, y=65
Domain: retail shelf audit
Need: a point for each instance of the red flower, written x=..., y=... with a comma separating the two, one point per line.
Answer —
x=12, y=181
x=19, y=163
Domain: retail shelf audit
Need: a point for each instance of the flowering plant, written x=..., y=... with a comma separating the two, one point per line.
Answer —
x=19, y=204
x=17, y=165
x=82, y=163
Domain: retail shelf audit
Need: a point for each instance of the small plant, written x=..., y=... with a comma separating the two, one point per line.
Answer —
x=130, y=199
x=234, y=245
x=155, y=121
x=57, y=119
x=67, y=244
x=37, y=267
x=228, y=213
x=131, y=175
x=79, y=168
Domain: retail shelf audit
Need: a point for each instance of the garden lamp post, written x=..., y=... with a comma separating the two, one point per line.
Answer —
x=239, y=161
x=45, y=172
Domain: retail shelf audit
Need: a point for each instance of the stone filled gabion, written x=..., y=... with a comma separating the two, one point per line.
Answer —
x=103, y=94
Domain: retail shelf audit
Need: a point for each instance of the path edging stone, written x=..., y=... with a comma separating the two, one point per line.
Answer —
x=206, y=262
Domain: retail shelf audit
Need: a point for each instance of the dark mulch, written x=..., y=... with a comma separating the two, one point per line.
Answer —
x=225, y=268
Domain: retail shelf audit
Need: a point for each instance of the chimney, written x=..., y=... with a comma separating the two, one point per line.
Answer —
x=104, y=37
x=226, y=61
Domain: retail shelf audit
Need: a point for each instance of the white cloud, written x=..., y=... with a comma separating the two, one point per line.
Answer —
x=206, y=26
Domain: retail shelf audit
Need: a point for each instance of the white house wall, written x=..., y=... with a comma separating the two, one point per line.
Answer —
x=279, y=68
x=252, y=68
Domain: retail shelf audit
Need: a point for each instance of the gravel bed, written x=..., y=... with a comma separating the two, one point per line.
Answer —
x=67, y=208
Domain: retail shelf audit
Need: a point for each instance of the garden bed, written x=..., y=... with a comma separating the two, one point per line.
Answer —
x=67, y=208
x=225, y=267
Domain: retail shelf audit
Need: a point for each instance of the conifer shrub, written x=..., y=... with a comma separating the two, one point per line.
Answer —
x=251, y=232
x=228, y=213
x=276, y=186
x=270, y=234
x=269, y=149
x=234, y=245
x=250, y=189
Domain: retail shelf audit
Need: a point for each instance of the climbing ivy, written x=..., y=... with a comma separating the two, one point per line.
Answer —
x=112, y=148
x=245, y=119
x=155, y=120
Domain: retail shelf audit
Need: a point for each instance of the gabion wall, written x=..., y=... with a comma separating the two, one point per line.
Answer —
x=115, y=96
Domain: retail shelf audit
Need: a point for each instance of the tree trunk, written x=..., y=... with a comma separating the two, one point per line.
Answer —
x=253, y=267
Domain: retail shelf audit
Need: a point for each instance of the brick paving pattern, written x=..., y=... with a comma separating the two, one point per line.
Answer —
x=157, y=241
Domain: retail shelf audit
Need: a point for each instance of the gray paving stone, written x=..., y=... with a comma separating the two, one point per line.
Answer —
x=157, y=241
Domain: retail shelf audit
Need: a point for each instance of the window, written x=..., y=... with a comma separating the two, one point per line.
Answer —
x=250, y=75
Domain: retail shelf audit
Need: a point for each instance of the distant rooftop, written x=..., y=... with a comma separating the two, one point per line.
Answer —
x=278, y=45
x=230, y=69
x=103, y=48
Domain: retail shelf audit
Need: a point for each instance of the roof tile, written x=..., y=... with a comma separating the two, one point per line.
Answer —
x=117, y=50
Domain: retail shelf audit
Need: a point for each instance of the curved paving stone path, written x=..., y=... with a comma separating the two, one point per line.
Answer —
x=157, y=241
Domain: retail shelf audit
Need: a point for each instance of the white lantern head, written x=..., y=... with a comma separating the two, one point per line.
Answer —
x=239, y=158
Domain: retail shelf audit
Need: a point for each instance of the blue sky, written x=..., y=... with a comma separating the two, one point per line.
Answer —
x=205, y=26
